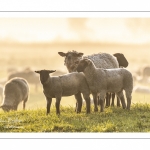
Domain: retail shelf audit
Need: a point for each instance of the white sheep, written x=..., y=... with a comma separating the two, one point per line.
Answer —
x=64, y=85
x=101, y=60
x=101, y=81
x=15, y=91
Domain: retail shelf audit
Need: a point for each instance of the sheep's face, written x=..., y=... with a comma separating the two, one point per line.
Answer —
x=72, y=59
x=44, y=75
x=82, y=65
x=121, y=59
x=6, y=108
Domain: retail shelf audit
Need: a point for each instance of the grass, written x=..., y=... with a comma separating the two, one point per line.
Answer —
x=112, y=120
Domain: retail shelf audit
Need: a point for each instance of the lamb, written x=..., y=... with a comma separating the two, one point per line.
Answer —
x=101, y=81
x=64, y=85
x=15, y=91
x=101, y=60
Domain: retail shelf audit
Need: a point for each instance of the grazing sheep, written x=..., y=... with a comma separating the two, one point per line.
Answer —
x=101, y=81
x=28, y=75
x=101, y=60
x=64, y=85
x=146, y=72
x=15, y=91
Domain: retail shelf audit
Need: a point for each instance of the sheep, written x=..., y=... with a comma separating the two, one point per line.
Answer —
x=64, y=85
x=141, y=89
x=146, y=72
x=122, y=63
x=101, y=60
x=101, y=81
x=121, y=60
x=27, y=74
x=15, y=91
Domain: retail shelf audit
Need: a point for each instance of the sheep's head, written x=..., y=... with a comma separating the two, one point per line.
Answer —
x=83, y=64
x=6, y=108
x=72, y=59
x=121, y=60
x=44, y=75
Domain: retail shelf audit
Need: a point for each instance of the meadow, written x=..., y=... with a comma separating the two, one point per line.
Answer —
x=45, y=56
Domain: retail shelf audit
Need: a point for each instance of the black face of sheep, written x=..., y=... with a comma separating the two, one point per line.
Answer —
x=82, y=65
x=44, y=75
x=6, y=108
x=121, y=60
x=71, y=59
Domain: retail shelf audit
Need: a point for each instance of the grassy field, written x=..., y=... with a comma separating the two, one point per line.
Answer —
x=44, y=56
x=112, y=120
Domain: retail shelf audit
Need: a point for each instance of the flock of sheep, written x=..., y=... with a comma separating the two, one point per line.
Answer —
x=103, y=75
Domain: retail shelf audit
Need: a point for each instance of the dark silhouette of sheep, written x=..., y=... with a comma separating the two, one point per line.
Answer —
x=15, y=91
x=101, y=81
x=64, y=85
x=121, y=60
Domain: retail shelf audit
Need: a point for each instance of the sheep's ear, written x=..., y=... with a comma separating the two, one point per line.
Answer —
x=37, y=71
x=80, y=54
x=51, y=71
x=62, y=54
x=88, y=61
x=118, y=55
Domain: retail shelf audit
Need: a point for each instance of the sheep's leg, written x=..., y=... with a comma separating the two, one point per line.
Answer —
x=57, y=104
x=129, y=97
x=79, y=102
x=95, y=101
x=102, y=97
x=15, y=107
x=88, y=103
x=113, y=98
x=107, y=100
x=49, y=101
x=108, y=97
x=118, y=102
x=121, y=97
x=24, y=103
x=128, y=102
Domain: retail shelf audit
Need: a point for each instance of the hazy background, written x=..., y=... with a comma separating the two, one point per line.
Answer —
x=118, y=30
x=35, y=43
